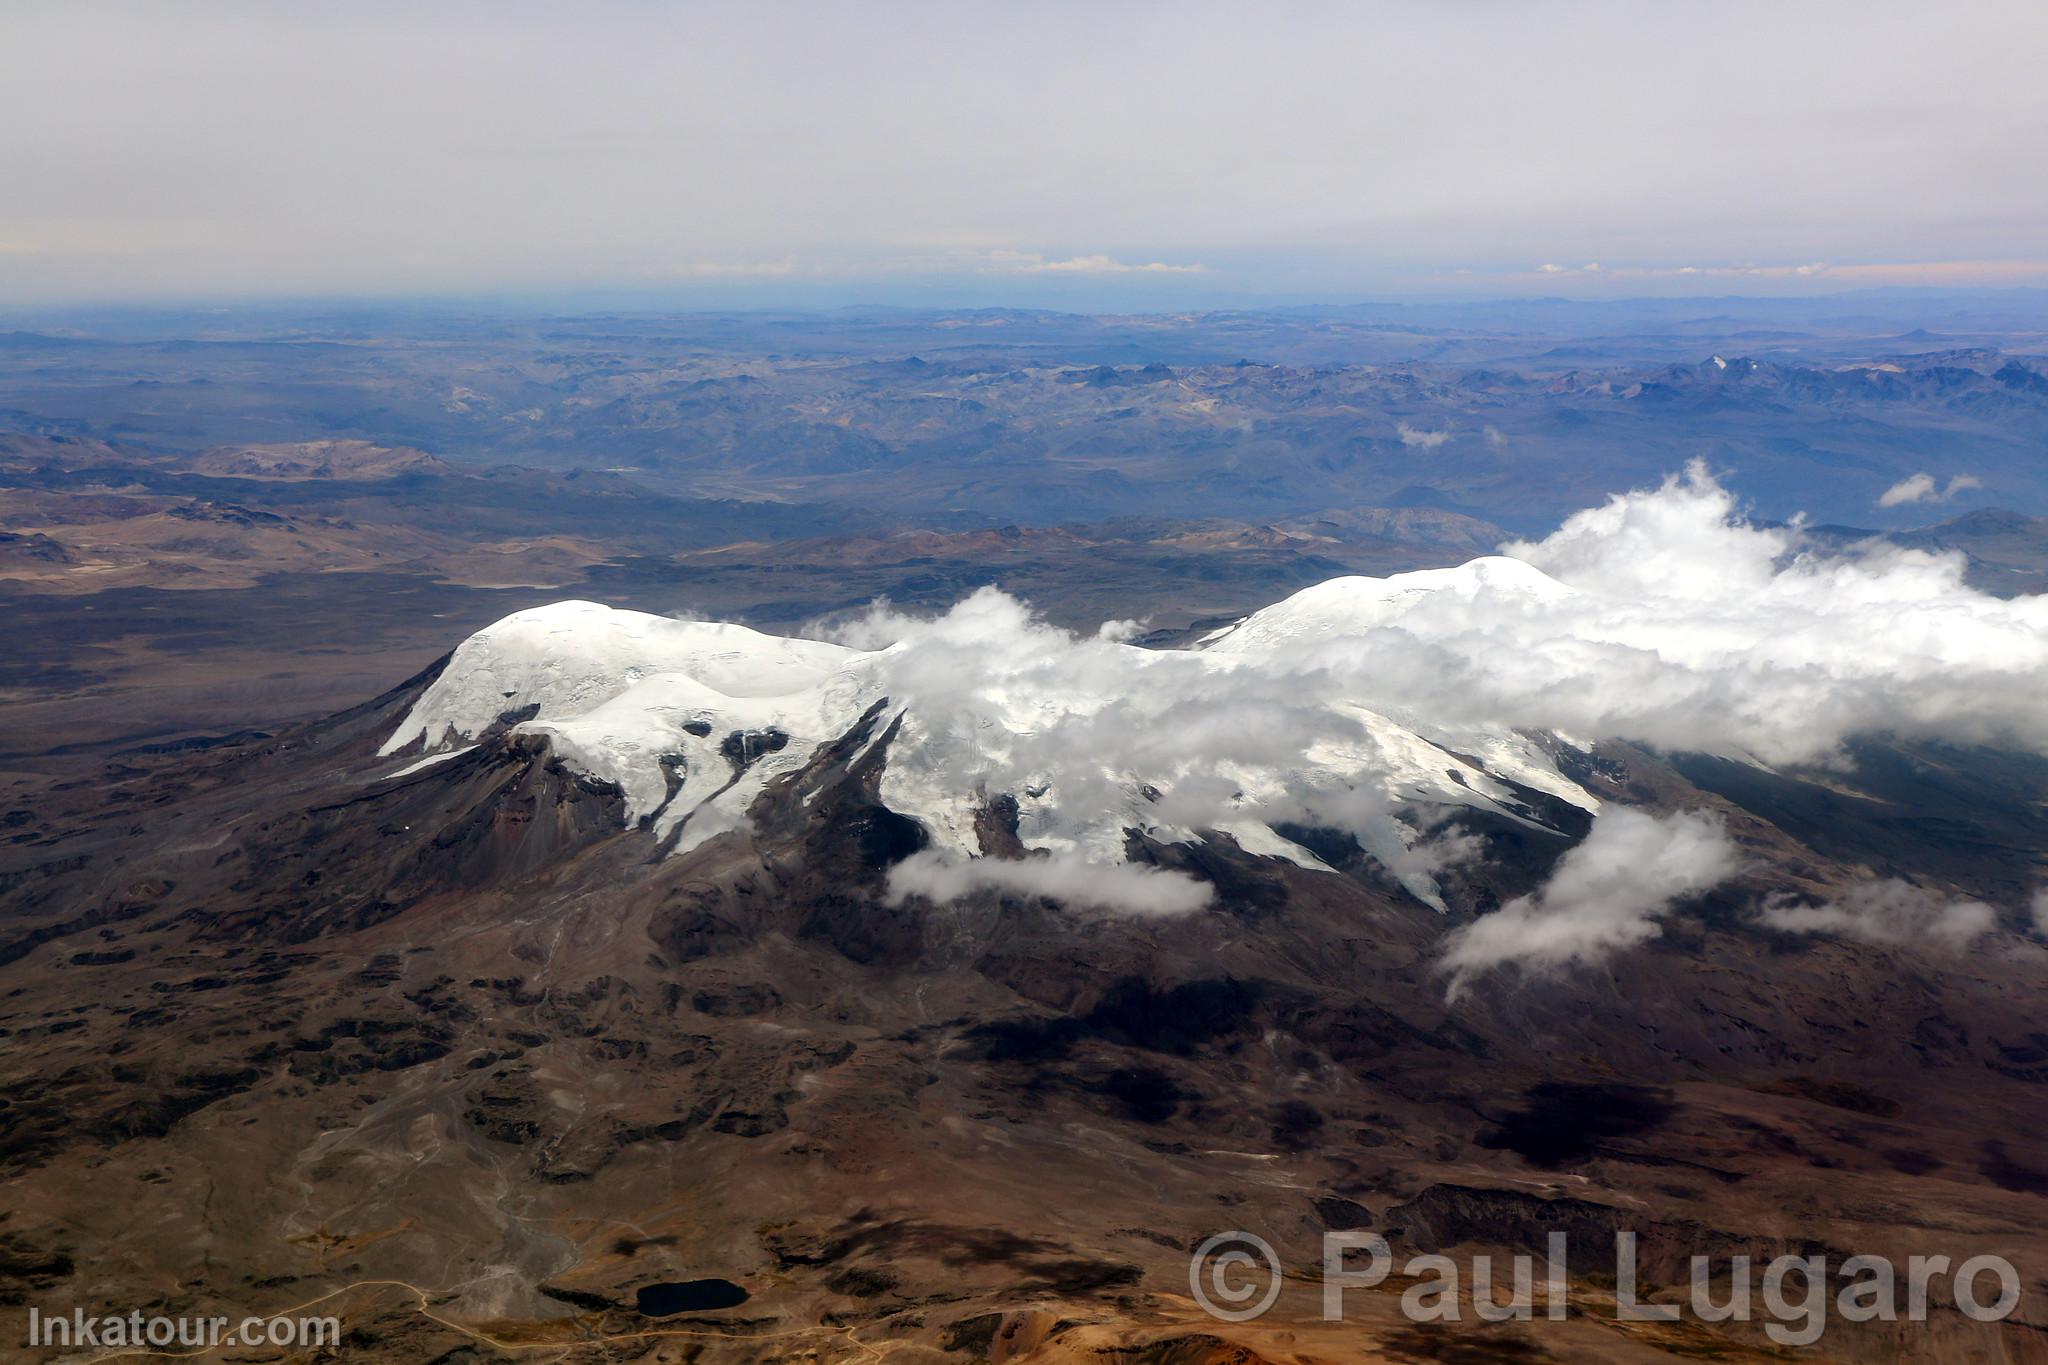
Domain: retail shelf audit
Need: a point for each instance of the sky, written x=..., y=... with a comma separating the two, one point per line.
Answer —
x=1008, y=152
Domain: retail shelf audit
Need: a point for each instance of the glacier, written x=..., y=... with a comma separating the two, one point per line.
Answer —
x=1091, y=737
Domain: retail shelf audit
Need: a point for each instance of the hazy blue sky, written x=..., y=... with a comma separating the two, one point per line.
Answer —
x=1168, y=151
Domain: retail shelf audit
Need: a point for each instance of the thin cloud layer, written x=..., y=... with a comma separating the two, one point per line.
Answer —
x=1607, y=894
x=1127, y=888
x=1097, y=264
x=1888, y=911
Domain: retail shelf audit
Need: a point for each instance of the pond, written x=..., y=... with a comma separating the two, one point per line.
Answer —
x=687, y=1296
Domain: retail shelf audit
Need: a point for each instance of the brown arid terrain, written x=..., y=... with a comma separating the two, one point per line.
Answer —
x=313, y=460
x=448, y=1050
x=86, y=517
x=973, y=684
x=448, y=1046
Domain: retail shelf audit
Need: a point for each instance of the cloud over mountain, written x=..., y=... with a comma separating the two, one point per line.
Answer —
x=1923, y=488
x=1367, y=706
x=1606, y=894
x=1887, y=911
x=1073, y=881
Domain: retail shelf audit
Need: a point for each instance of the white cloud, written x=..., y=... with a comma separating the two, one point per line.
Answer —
x=1923, y=488
x=1420, y=439
x=1992, y=273
x=1988, y=273
x=1126, y=888
x=1692, y=630
x=1495, y=437
x=1606, y=895
x=1661, y=617
x=1918, y=488
x=1759, y=272
x=2040, y=909
x=1110, y=736
x=1029, y=263
x=1887, y=911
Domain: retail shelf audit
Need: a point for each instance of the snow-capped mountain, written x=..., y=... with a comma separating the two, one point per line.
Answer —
x=1089, y=737
x=1375, y=708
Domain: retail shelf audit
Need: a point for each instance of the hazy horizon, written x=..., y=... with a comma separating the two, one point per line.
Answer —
x=1144, y=156
x=1943, y=311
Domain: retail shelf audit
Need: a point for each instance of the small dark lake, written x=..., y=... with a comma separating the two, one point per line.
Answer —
x=687, y=1296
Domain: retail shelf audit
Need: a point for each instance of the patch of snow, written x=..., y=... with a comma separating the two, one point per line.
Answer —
x=421, y=765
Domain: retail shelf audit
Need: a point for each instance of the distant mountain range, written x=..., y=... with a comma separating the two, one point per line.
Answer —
x=998, y=417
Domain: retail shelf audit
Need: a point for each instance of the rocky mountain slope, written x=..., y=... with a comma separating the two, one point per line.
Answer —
x=433, y=1012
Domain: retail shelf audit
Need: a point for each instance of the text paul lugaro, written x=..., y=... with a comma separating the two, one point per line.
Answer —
x=1797, y=1294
